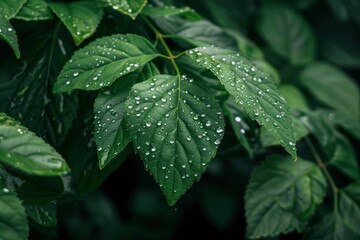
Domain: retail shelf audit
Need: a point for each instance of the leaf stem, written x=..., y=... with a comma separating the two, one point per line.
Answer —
x=322, y=165
x=160, y=37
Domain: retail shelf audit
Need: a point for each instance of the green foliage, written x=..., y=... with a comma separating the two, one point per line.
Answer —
x=236, y=94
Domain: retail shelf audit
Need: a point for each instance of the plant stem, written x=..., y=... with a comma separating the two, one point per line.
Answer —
x=160, y=37
x=322, y=165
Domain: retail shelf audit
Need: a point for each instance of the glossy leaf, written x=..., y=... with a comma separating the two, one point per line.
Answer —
x=103, y=61
x=290, y=35
x=349, y=206
x=166, y=11
x=9, y=8
x=76, y=17
x=282, y=196
x=26, y=84
x=332, y=87
x=110, y=131
x=128, y=7
x=176, y=127
x=43, y=214
x=34, y=10
x=8, y=34
x=23, y=150
x=13, y=222
x=252, y=89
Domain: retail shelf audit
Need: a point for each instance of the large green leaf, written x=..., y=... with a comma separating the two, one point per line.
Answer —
x=13, y=222
x=35, y=10
x=128, y=7
x=26, y=84
x=111, y=135
x=282, y=196
x=176, y=127
x=103, y=61
x=294, y=97
x=9, y=8
x=43, y=214
x=23, y=150
x=332, y=87
x=349, y=206
x=287, y=32
x=81, y=18
x=8, y=34
x=252, y=89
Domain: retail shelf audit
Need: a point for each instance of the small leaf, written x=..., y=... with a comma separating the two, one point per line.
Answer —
x=9, y=8
x=23, y=150
x=294, y=97
x=34, y=10
x=332, y=87
x=110, y=131
x=13, y=222
x=239, y=126
x=290, y=35
x=103, y=61
x=80, y=18
x=166, y=11
x=176, y=127
x=282, y=196
x=43, y=214
x=252, y=89
x=128, y=7
x=8, y=34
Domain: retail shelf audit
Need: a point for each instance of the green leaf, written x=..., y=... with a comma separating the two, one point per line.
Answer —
x=23, y=150
x=166, y=11
x=111, y=135
x=332, y=87
x=13, y=222
x=26, y=85
x=8, y=34
x=80, y=152
x=339, y=9
x=344, y=158
x=34, y=10
x=103, y=61
x=245, y=45
x=110, y=131
x=128, y=7
x=204, y=33
x=176, y=127
x=290, y=36
x=252, y=89
x=239, y=126
x=282, y=196
x=43, y=214
x=80, y=18
x=9, y=8
x=294, y=97
x=349, y=206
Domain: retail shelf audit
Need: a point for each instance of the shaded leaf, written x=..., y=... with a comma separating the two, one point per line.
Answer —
x=8, y=34
x=176, y=127
x=26, y=84
x=332, y=87
x=81, y=18
x=43, y=214
x=103, y=61
x=252, y=89
x=128, y=7
x=282, y=196
x=290, y=36
x=35, y=10
x=23, y=150
x=294, y=97
x=166, y=11
x=13, y=222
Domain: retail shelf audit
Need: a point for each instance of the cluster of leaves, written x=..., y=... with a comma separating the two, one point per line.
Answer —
x=110, y=79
